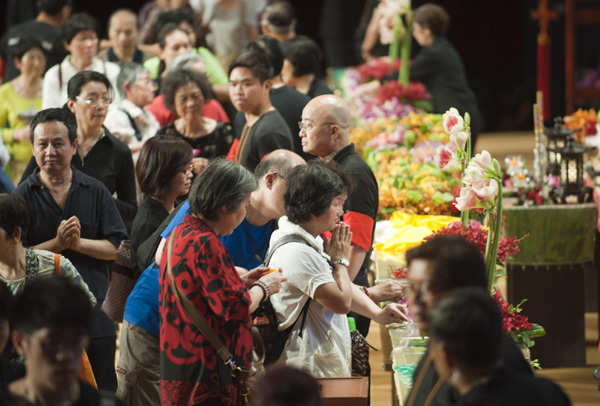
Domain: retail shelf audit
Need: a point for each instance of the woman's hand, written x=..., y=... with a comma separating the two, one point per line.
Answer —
x=392, y=313
x=340, y=244
x=249, y=277
x=388, y=291
x=199, y=164
x=273, y=281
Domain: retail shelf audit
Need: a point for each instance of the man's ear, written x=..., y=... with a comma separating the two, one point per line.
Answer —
x=268, y=85
x=269, y=180
x=18, y=340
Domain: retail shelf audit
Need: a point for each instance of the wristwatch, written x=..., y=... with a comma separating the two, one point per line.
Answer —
x=341, y=261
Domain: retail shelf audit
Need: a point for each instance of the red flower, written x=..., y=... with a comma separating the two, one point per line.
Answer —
x=511, y=319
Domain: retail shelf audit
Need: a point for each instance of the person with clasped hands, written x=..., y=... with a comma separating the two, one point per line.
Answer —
x=317, y=270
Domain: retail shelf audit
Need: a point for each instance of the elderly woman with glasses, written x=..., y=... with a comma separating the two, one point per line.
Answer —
x=185, y=93
x=164, y=172
x=128, y=119
x=99, y=153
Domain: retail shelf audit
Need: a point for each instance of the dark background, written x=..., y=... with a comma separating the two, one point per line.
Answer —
x=496, y=39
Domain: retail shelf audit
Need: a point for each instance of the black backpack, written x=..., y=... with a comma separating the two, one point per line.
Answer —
x=264, y=317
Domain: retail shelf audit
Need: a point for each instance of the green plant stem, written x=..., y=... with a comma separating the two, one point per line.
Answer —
x=404, y=74
x=464, y=215
x=494, y=247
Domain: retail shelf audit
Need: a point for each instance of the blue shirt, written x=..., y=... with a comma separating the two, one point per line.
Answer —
x=244, y=244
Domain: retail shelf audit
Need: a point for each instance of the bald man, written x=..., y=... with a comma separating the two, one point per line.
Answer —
x=325, y=132
x=123, y=36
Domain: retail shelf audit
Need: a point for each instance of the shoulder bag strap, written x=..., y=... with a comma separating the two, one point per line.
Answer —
x=57, y=264
x=194, y=314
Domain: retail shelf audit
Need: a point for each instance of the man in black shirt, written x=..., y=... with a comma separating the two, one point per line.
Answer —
x=264, y=130
x=288, y=101
x=74, y=214
x=44, y=29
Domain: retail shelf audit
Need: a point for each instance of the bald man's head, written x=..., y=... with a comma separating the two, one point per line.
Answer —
x=325, y=126
x=280, y=161
x=123, y=31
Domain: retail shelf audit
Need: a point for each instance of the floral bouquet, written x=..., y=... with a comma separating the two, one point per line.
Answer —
x=584, y=121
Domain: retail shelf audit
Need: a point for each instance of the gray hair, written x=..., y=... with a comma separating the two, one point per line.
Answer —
x=185, y=61
x=221, y=184
x=128, y=74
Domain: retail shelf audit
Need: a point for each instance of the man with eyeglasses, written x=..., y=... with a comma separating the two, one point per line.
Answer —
x=436, y=267
x=325, y=132
x=74, y=214
x=128, y=120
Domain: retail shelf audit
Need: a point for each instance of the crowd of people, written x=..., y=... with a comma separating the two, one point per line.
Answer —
x=200, y=141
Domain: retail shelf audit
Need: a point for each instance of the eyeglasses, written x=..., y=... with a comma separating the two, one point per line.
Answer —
x=94, y=101
x=309, y=126
x=147, y=83
x=189, y=169
x=280, y=175
x=424, y=291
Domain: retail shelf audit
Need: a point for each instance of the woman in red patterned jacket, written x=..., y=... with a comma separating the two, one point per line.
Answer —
x=191, y=371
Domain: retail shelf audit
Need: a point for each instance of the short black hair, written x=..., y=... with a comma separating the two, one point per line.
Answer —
x=468, y=323
x=62, y=115
x=120, y=10
x=279, y=15
x=283, y=385
x=25, y=44
x=77, y=23
x=434, y=17
x=270, y=47
x=310, y=189
x=258, y=63
x=454, y=261
x=173, y=17
x=221, y=184
x=54, y=301
x=304, y=54
x=176, y=79
x=165, y=31
x=14, y=214
x=80, y=79
x=53, y=7
x=161, y=159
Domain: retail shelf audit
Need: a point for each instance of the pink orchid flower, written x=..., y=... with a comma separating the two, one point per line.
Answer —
x=452, y=121
x=467, y=199
x=483, y=160
x=486, y=193
x=460, y=139
x=445, y=157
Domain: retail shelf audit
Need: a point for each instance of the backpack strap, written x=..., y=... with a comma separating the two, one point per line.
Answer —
x=286, y=240
x=138, y=135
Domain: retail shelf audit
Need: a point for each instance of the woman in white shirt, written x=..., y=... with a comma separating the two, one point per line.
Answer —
x=317, y=270
x=80, y=37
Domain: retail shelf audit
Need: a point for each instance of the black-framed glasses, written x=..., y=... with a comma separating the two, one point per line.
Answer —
x=280, y=175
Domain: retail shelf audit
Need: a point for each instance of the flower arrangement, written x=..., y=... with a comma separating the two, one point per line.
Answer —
x=414, y=94
x=482, y=188
x=395, y=28
x=516, y=325
x=583, y=120
x=377, y=68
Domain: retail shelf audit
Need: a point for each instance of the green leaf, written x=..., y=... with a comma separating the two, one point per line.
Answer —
x=415, y=196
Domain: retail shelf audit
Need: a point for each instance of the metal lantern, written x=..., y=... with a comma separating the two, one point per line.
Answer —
x=571, y=174
x=557, y=138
